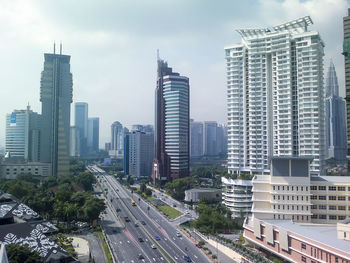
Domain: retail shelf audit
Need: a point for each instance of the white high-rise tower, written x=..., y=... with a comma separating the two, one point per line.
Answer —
x=275, y=96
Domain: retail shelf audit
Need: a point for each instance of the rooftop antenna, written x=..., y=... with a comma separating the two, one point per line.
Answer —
x=54, y=47
x=61, y=48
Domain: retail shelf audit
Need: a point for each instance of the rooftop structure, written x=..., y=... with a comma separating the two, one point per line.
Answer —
x=299, y=242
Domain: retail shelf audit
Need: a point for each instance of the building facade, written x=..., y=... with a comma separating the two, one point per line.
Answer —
x=93, y=135
x=172, y=125
x=74, y=142
x=346, y=53
x=275, y=97
x=335, y=119
x=23, y=134
x=141, y=153
x=56, y=90
x=81, y=123
x=196, y=139
x=10, y=170
x=291, y=193
x=117, y=140
x=237, y=196
x=210, y=138
x=296, y=242
x=285, y=194
x=330, y=198
x=196, y=195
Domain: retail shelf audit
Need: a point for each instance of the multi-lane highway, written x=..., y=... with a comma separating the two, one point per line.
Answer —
x=146, y=227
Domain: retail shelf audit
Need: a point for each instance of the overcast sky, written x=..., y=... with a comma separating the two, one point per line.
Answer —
x=113, y=49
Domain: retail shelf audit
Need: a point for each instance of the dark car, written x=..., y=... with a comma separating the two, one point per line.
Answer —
x=157, y=238
x=198, y=245
x=140, y=239
x=127, y=219
x=143, y=222
x=141, y=256
x=187, y=259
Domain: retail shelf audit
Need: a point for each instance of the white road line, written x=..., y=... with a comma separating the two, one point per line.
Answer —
x=195, y=256
x=161, y=258
x=154, y=259
x=128, y=241
x=175, y=257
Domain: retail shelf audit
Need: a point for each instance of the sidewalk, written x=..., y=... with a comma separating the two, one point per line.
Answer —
x=214, y=248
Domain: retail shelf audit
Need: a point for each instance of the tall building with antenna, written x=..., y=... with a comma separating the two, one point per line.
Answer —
x=172, y=125
x=56, y=90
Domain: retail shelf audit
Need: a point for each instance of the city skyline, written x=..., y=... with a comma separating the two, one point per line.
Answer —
x=109, y=80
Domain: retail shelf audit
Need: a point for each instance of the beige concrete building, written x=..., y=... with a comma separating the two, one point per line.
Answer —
x=285, y=194
x=330, y=198
x=291, y=193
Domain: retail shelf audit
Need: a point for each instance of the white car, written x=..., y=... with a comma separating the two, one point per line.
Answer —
x=153, y=246
x=178, y=234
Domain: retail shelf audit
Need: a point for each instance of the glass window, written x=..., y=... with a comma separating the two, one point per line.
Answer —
x=332, y=188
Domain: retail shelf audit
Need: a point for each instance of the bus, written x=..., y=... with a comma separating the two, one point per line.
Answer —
x=133, y=203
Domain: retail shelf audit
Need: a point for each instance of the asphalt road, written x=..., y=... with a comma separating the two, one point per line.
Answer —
x=124, y=236
x=156, y=224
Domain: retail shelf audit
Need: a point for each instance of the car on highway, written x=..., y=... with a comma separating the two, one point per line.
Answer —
x=143, y=222
x=187, y=259
x=174, y=205
x=141, y=256
x=178, y=234
x=157, y=238
x=153, y=246
x=136, y=224
x=114, y=230
x=198, y=245
x=140, y=239
x=126, y=219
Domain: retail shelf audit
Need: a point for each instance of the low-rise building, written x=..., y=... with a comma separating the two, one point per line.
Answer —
x=237, y=196
x=300, y=242
x=285, y=194
x=330, y=198
x=197, y=194
x=11, y=169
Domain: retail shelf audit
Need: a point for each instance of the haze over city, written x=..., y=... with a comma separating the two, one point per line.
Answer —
x=113, y=46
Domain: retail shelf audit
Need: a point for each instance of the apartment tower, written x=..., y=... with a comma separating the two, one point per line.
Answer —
x=346, y=53
x=275, y=97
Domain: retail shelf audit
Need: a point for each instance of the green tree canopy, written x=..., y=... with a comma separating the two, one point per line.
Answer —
x=22, y=254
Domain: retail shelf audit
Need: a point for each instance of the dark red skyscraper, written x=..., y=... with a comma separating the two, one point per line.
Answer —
x=171, y=125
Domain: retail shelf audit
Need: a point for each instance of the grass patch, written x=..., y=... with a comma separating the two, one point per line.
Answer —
x=169, y=211
x=105, y=247
x=150, y=198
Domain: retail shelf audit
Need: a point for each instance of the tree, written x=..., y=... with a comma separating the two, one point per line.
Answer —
x=143, y=188
x=22, y=254
x=86, y=180
x=148, y=192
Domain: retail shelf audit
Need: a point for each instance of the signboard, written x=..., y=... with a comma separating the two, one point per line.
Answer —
x=13, y=119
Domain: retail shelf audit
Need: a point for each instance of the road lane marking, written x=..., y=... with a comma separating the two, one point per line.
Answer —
x=161, y=258
x=195, y=256
x=154, y=259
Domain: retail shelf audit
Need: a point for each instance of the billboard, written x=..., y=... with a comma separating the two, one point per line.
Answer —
x=13, y=119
